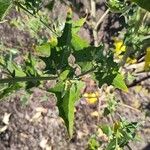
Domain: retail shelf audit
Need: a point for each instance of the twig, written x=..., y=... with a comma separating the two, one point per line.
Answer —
x=124, y=105
x=93, y=9
x=142, y=74
x=86, y=72
x=135, y=82
x=129, y=147
x=95, y=24
x=101, y=19
x=93, y=14
x=135, y=66
x=126, y=55
x=100, y=98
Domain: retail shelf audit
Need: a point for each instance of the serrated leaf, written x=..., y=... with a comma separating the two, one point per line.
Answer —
x=119, y=83
x=66, y=36
x=44, y=49
x=4, y=7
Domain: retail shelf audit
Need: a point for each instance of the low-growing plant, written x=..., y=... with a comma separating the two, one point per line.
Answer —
x=114, y=137
x=66, y=58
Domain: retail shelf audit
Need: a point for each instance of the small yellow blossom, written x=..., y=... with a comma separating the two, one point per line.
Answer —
x=119, y=46
x=147, y=59
x=91, y=98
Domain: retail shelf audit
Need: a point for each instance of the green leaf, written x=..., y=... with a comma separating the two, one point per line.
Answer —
x=70, y=102
x=77, y=25
x=93, y=144
x=53, y=42
x=66, y=36
x=106, y=129
x=86, y=54
x=44, y=49
x=10, y=89
x=78, y=43
x=64, y=74
x=68, y=105
x=119, y=83
x=143, y=3
x=4, y=7
x=34, y=24
x=66, y=102
x=18, y=71
x=117, y=6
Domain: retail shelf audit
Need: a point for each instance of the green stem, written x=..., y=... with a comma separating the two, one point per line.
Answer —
x=86, y=72
x=128, y=51
x=25, y=79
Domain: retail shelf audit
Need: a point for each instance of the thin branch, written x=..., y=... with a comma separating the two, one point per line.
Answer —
x=135, y=82
x=93, y=9
x=126, y=55
x=135, y=66
x=86, y=72
x=25, y=79
x=128, y=146
x=93, y=14
x=130, y=107
x=101, y=19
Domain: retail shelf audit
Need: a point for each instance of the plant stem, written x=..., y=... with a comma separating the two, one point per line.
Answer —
x=86, y=72
x=130, y=107
x=128, y=146
x=126, y=55
x=25, y=79
x=93, y=14
x=135, y=82
x=101, y=19
x=94, y=23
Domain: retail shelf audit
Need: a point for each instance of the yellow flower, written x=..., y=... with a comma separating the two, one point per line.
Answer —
x=91, y=98
x=147, y=59
x=119, y=46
